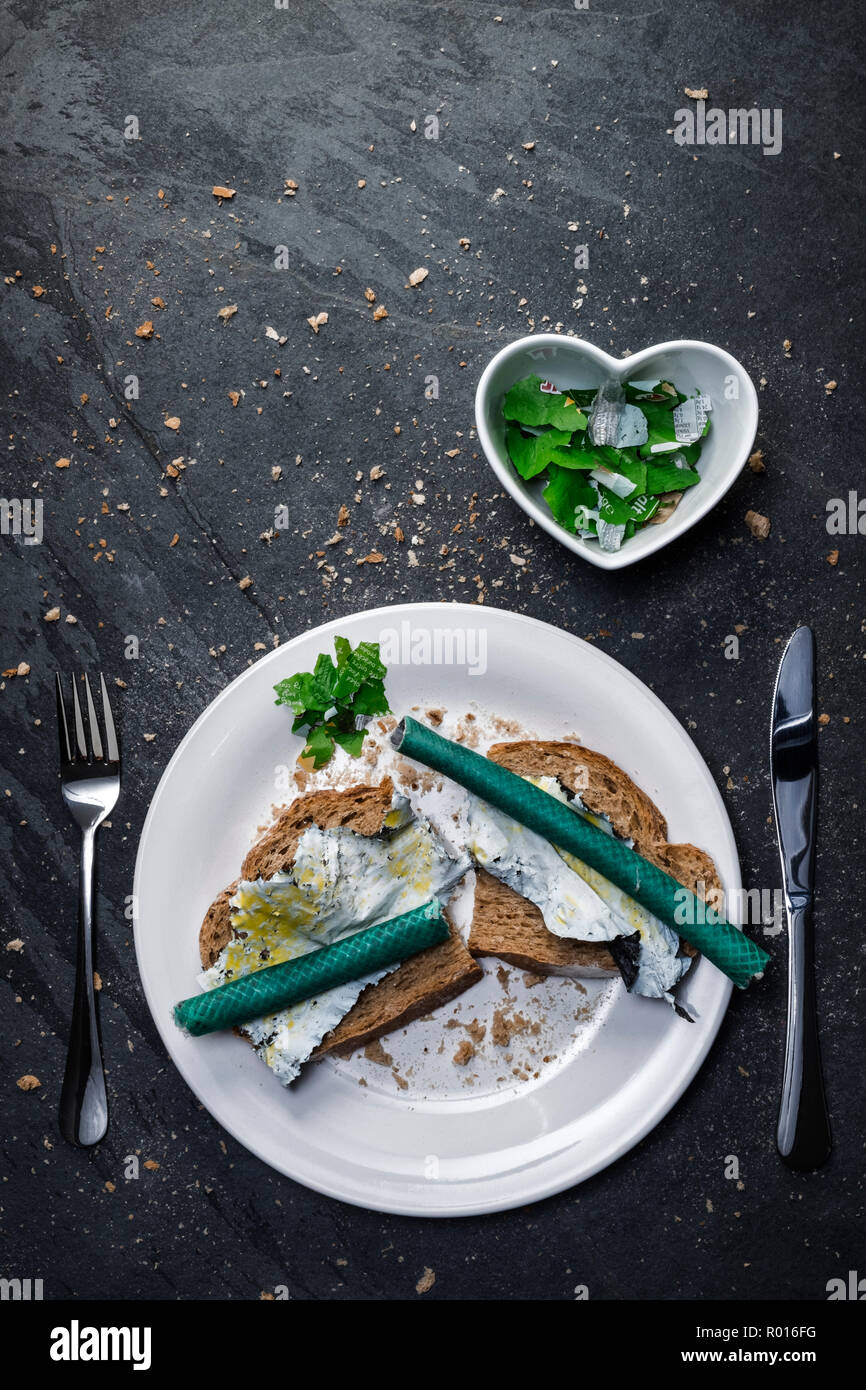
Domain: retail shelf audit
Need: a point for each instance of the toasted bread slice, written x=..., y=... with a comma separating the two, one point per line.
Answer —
x=216, y=929
x=361, y=808
x=420, y=985
x=416, y=987
x=505, y=924
x=511, y=927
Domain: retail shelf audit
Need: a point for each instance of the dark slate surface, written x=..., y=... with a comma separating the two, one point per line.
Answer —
x=740, y=248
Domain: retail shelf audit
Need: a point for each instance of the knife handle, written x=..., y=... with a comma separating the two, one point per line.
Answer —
x=803, y=1134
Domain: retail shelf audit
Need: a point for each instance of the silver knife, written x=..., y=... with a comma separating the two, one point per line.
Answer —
x=803, y=1134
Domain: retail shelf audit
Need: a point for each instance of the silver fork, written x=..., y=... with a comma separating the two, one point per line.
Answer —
x=90, y=782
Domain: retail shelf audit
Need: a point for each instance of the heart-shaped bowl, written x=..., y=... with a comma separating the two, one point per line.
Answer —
x=571, y=362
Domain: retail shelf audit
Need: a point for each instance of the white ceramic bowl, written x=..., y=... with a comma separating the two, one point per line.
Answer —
x=572, y=362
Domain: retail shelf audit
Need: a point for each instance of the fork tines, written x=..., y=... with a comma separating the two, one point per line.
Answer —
x=78, y=749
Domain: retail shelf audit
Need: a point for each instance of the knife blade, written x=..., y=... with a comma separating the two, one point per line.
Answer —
x=803, y=1132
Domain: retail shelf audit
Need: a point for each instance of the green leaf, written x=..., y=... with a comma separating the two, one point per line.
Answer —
x=626, y=463
x=531, y=454
x=303, y=692
x=370, y=699
x=320, y=745
x=566, y=490
x=690, y=452
x=612, y=508
x=575, y=455
x=353, y=688
x=352, y=741
x=529, y=405
x=325, y=678
x=667, y=477
x=661, y=429
x=643, y=508
x=363, y=664
x=343, y=648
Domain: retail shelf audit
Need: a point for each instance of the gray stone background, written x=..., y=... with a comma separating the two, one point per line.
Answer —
x=726, y=244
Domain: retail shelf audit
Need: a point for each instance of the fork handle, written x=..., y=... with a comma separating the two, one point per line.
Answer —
x=83, y=1099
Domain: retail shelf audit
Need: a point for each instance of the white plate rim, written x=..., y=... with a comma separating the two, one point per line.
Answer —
x=679, y=1080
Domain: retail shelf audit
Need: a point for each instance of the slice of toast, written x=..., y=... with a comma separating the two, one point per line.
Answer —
x=506, y=925
x=361, y=808
x=416, y=987
x=420, y=985
x=511, y=927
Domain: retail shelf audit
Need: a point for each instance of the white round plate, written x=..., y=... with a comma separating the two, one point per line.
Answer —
x=593, y=1072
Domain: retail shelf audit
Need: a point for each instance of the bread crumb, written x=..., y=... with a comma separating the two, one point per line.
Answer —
x=464, y=1053
x=375, y=1052
x=28, y=1083
x=505, y=1028
x=426, y=1282
x=466, y=733
x=758, y=525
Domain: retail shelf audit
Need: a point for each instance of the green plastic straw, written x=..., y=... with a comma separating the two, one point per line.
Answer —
x=276, y=987
x=725, y=945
